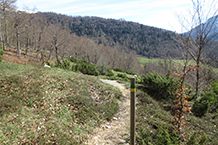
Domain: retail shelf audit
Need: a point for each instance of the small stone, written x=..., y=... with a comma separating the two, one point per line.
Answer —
x=115, y=118
x=108, y=127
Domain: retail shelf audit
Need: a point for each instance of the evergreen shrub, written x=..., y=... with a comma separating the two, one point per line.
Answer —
x=85, y=68
x=118, y=69
x=159, y=86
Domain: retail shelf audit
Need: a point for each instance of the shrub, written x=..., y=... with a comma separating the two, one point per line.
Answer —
x=50, y=64
x=200, y=107
x=123, y=76
x=109, y=72
x=85, y=68
x=75, y=60
x=159, y=86
x=208, y=101
x=130, y=73
x=65, y=64
x=111, y=78
x=118, y=69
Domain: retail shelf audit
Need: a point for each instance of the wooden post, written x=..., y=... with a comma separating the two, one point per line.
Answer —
x=132, y=111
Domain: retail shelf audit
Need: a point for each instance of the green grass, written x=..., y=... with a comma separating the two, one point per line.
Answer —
x=51, y=106
x=143, y=61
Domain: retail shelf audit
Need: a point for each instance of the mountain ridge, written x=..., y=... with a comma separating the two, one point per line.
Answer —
x=205, y=28
x=147, y=41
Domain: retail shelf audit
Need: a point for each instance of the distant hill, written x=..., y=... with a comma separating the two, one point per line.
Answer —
x=147, y=41
x=210, y=23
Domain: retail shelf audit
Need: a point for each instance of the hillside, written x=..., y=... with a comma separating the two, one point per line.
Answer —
x=206, y=28
x=145, y=40
x=51, y=106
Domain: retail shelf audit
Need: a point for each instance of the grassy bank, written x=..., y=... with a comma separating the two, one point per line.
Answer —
x=51, y=106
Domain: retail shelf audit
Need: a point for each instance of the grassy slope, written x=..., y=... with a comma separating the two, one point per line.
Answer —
x=154, y=117
x=42, y=105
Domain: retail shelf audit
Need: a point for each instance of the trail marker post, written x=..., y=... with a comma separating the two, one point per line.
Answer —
x=132, y=111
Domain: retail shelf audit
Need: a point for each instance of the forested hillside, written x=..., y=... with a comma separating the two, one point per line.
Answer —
x=145, y=40
x=31, y=35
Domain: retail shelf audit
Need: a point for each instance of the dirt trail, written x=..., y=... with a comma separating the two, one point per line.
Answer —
x=114, y=132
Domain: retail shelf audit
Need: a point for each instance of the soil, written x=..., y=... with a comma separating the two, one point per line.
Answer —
x=116, y=131
x=10, y=55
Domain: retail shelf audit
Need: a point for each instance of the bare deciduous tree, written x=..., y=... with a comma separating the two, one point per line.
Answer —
x=58, y=38
x=5, y=10
x=201, y=30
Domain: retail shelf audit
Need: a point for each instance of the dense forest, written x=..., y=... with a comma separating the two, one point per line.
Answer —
x=147, y=41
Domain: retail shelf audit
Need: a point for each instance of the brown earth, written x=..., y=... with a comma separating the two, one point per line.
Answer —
x=10, y=55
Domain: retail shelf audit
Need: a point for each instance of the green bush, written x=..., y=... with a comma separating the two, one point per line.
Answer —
x=200, y=107
x=111, y=78
x=123, y=76
x=109, y=72
x=208, y=101
x=159, y=86
x=50, y=64
x=118, y=69
x=85, y=68
x=75, y=60
x=130, y=73
x=65, y=64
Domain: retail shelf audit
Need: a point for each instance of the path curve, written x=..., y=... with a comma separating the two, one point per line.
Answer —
x=115, y=131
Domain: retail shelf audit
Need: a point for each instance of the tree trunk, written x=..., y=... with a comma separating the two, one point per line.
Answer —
x=6, y=31
x=18, y=45
x=1, y=36
x=18, y=42
x=56, y=53
x=42, y=57
x=27, y=45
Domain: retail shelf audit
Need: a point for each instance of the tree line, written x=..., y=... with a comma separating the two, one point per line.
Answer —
x=31, y=34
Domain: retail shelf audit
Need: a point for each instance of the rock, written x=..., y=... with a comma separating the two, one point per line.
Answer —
x=108, y=127
x=47, y=66
x=115, y=118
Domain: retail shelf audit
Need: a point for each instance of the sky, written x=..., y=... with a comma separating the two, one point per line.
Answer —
x=158, y=13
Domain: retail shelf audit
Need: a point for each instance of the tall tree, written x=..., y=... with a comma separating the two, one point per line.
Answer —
x=57, y=37
x=20, y=20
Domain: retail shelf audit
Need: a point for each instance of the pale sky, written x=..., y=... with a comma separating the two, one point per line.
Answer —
x=157, y=13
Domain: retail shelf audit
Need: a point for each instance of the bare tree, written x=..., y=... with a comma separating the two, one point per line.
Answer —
x=20, y=22
x=201, y=30
x=58, y=38
x=5, y=10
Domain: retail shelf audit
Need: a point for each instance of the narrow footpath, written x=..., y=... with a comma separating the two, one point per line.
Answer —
x=118, y=129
